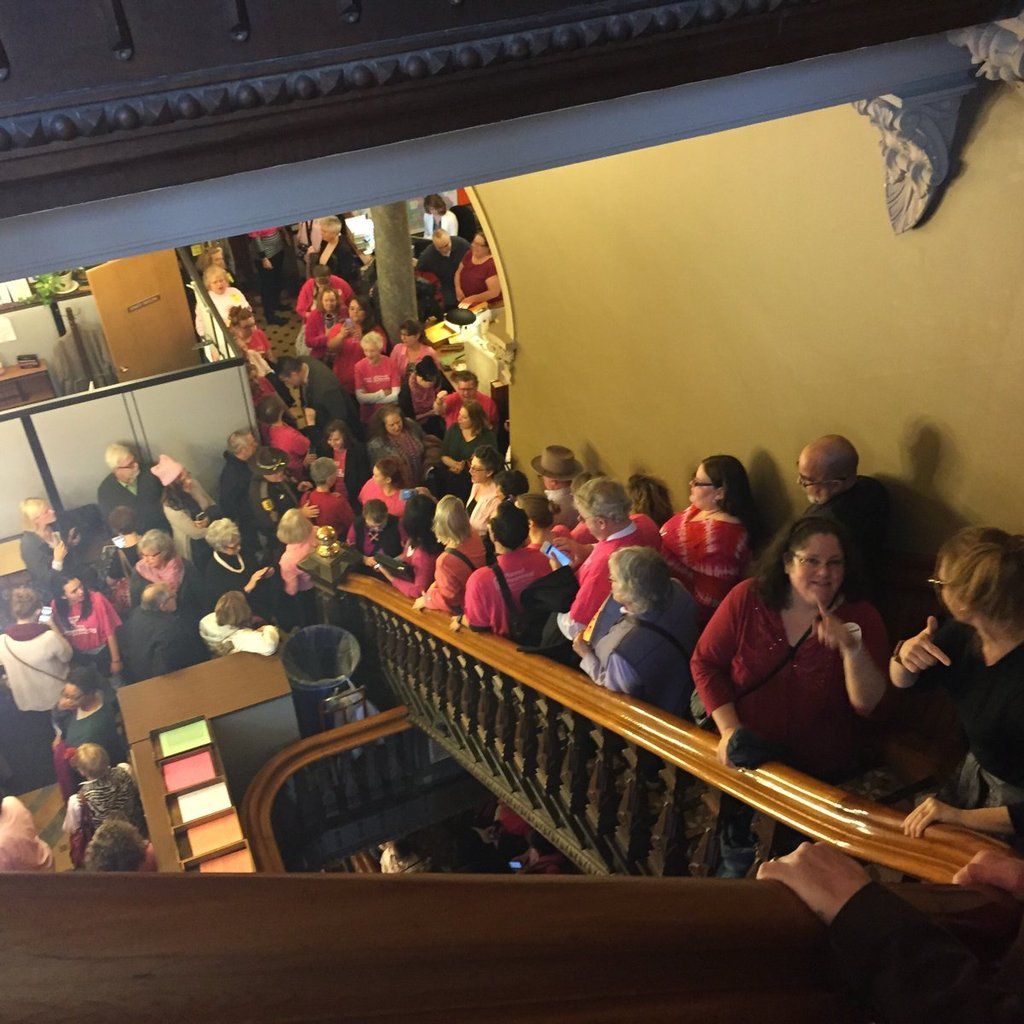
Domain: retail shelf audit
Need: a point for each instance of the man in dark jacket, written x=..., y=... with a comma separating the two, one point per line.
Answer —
x=320, y=391
x=132, y=485
x=154, y=641
x=235, y=479
x=271, y=494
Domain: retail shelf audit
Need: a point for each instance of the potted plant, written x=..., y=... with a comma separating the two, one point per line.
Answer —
x=46, y=286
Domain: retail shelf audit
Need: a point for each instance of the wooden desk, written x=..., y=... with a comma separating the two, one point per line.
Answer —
x=211, y=689
x=20, y=387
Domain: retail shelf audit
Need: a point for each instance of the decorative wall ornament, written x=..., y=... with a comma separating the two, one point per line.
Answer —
x=917, y=136
x=124, y=48
x=998, y=47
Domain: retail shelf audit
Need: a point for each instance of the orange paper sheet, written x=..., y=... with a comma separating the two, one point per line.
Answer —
x=239, y=862
x=212, y=835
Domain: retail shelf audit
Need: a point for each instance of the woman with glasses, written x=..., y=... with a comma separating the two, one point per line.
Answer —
x=789, y=662
x=708, y=545
x=978, y=657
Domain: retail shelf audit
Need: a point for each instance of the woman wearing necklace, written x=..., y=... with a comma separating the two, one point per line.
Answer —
x=227, y=570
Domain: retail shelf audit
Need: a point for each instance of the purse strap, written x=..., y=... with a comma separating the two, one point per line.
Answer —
x=34, y=668
x=790, y=655
x=663, y=633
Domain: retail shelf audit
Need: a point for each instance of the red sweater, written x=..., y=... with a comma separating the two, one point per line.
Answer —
x=335, y=509
x=304, y=302
x=804, y=706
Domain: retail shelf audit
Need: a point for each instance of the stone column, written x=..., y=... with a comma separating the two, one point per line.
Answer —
x=393, y=254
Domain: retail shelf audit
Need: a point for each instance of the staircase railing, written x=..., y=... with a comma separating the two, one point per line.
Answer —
x=607, y=778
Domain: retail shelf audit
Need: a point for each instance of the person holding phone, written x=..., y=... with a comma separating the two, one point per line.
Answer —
x=186, y=504
x=385, y=485
x=540, y=511
x=46, y=552
x=789, y=662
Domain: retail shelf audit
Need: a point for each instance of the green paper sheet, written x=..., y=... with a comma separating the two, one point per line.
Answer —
x=184, y=737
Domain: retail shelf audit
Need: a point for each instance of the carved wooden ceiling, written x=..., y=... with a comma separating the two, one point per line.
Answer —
x=111, y=97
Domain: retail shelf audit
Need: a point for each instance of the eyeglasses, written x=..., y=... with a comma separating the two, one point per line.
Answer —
x=806, y=482
x=694, y=482
x=128, y=465
x=811, y=562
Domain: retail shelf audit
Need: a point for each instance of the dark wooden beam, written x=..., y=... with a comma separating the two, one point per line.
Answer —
x=194, y=103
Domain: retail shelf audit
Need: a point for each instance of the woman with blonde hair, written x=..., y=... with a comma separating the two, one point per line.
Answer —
x=223, y=299
x=298, y=535
x=229, y=628
x=978, y=657
x=463, y=553
x=47, y=553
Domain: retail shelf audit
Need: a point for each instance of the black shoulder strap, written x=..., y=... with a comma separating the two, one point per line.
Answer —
x=506, y=596
x=465, y=560
x=790, y=655
x=663, y=633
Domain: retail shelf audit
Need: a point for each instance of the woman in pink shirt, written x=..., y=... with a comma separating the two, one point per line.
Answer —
x=298, y=535
x=411, y=349
x=326, y=313
x=270, y=413
x=21, y=849
x=376, y=379
x=463, y=552
x=421, y=548
x=485, y=494
x=247, y=335
x=89, y=622
x=385, y=485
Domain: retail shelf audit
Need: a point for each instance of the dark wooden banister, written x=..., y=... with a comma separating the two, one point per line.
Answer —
x=259, y=797
x=859, y=826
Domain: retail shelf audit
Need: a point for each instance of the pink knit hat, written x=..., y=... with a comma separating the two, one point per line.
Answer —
x=167, y=470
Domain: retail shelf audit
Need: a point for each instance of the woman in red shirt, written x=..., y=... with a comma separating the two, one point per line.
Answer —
x=476, y=280
x=795, y=657
x=708, y=546
x=463, y=553
x=385, y=485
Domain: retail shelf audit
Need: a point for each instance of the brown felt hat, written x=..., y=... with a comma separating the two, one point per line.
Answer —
x=558, y=462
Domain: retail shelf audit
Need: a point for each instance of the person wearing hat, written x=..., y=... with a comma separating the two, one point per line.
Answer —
x=185, y=504
x=331, y=504
x=556, y=466
x=271, y=493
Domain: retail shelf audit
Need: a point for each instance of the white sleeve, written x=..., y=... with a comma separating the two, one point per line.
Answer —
x=73, y=817
x=256, y=641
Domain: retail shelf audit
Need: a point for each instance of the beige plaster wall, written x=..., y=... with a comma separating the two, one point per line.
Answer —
x=744, y=292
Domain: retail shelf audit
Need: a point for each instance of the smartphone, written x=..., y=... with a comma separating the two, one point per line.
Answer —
x=406, y=493
x=118, y=541
x=550, y=551
x=46, y=614
x=516, y=865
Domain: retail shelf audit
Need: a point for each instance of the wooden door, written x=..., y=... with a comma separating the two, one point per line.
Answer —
x=145, y=316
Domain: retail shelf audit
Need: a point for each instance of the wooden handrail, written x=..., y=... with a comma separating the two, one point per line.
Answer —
x=859, y=826
x=259, y=797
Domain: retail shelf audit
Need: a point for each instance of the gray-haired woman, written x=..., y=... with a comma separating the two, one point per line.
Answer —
x=645, y=633
x=159, y=562
x=227, y=570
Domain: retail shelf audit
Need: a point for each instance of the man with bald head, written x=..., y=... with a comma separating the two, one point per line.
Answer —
x=442, y=258
x=828, y=475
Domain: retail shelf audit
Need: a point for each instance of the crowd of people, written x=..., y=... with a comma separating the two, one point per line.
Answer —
x=776, y=645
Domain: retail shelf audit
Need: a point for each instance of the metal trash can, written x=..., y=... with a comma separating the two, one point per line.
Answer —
x=319, y=662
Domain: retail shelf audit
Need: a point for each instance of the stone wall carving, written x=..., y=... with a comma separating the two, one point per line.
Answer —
x=916, y=139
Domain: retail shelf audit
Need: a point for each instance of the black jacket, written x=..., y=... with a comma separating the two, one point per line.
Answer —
x=324, y=393
x=270, y=501
x=154, y=643
x=147, y=504
x=235, y=480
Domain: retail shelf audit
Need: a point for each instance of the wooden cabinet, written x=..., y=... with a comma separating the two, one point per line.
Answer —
x=22, y=387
